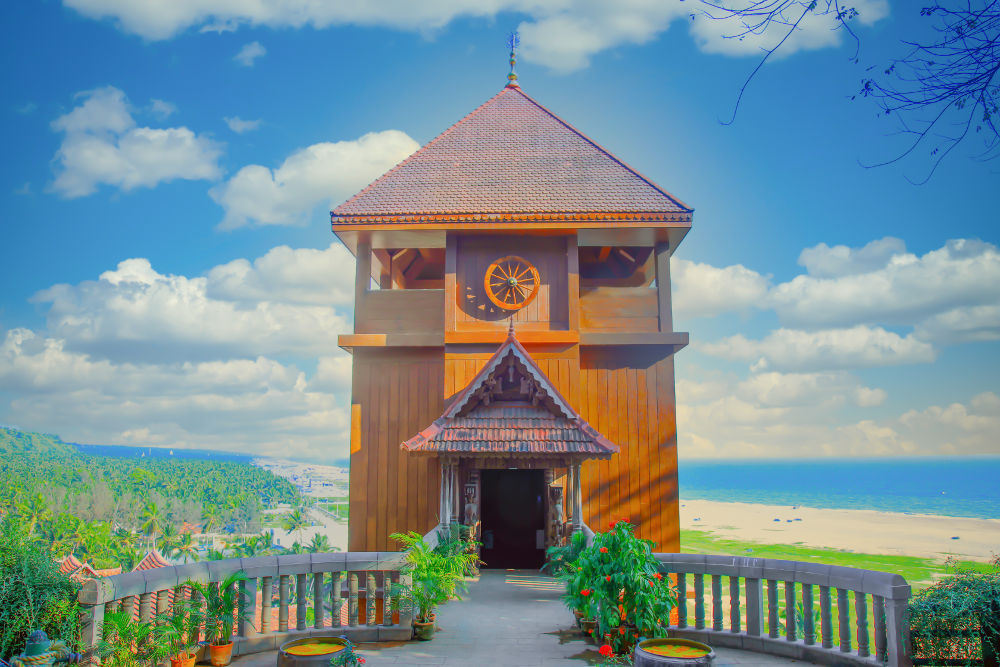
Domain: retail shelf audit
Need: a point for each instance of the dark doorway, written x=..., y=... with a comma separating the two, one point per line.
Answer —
x=513, y=518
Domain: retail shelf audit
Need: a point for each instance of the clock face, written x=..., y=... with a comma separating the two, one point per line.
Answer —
x=511, y=282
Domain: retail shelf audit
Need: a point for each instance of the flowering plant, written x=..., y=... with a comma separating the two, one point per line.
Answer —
x=631, y=597
x=346, y=657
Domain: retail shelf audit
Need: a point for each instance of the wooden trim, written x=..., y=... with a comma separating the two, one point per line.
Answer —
x=350, y=341
x=678, y=339
x=492, y=226
x=500, y=335
x=450, y=282
x=573, y=283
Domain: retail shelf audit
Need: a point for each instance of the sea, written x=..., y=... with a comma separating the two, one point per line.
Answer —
x=966, y=487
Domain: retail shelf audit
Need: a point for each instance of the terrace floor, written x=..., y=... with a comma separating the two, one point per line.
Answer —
x=508, y=618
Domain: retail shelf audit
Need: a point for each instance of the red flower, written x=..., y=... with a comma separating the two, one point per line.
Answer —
x=585, y=592
x=624, y=519
x=606, y=651
x=611, y=524
x=361, y=660
x=607, y=578
x=621, y=631
x=658, y=575
x=604, y=550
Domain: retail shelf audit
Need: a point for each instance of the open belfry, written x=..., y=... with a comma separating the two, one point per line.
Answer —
x=513, y=346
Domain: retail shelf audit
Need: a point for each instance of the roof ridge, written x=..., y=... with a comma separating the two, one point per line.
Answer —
x=604, y=150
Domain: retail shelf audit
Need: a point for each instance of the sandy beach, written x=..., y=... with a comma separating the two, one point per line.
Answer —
x=863, y=531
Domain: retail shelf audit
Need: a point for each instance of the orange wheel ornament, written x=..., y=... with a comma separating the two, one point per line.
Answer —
x=511, y=282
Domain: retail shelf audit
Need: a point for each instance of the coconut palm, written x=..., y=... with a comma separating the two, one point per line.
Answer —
x=295, y=521
x=185, y=548
x=320, y=544
x=152, y=521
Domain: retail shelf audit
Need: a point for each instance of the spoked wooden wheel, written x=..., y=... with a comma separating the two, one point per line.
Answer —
x=511, y=282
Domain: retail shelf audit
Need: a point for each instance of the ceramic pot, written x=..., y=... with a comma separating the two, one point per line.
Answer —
x=589, y=627
x=186, y=661
x=642, y=657
x=423, y=631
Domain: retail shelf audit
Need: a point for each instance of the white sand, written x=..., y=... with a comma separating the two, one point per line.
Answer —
x=862, y=531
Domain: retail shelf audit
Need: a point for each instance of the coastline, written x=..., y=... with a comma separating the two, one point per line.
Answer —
x=861, y=531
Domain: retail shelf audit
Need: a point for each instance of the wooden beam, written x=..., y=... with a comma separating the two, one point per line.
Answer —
x=677, y=339
x=663, y=286
x=498, y=335
x=362, y=277
x=573, y=283
x=450, y=283
x=602, y=254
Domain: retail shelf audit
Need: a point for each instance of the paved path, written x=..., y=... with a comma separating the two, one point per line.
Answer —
x=508, y=618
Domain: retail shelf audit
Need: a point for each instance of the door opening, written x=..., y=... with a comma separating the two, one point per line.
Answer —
x=513, y=518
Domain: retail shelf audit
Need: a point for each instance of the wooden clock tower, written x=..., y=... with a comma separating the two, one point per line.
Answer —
x=513, y=342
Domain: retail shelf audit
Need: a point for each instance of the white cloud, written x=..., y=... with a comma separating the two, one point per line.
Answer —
x=702, y=290
x=249, y=53
x=822, y=261
x=962, y=325
x=162, y=108
x=239, y=126
x=830, y=349
x=102, y=145
x=716, y=32
x=322, y=173
x=562, y=35
x=826, y=390
x=136, y=313
x=906, y=290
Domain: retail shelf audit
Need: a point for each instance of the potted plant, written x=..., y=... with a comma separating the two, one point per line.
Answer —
x=221, y=614
x=558, y=558
x=348, y=657
x=435, y=578
x=178, y=629
x=126, y=642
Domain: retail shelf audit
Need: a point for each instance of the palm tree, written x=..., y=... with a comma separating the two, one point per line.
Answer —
x=211, y=517
x=296, y=521
x=321, y=544
x=34, y=510
x=185, y=548
x=152, y=521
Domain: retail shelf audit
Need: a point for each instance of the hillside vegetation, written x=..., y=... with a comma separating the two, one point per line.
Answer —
x=13, y=441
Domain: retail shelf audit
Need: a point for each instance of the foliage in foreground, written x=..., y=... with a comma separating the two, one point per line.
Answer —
x=436, y=575
x=958, y=617
x=33, y=594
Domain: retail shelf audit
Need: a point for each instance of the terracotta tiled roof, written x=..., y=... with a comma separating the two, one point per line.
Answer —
x=70, y=564
x=511, y=409
x=152, y=560
x=511, y=159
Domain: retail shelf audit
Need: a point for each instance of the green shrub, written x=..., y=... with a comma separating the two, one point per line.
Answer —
x=957, y=619
x=33, y=594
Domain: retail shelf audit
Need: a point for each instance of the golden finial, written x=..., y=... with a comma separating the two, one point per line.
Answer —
x=513, y=40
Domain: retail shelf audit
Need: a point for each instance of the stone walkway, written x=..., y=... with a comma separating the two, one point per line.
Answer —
x=507, y=619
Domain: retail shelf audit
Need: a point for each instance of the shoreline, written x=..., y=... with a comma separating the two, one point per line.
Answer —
x=857, y=530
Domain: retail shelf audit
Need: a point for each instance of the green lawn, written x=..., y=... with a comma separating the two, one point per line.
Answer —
x=918, y=572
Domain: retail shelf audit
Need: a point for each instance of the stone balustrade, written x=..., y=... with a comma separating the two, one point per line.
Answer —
x=760, y=596
x=362, y=581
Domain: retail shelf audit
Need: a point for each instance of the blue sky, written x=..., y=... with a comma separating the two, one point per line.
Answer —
x=170, y=278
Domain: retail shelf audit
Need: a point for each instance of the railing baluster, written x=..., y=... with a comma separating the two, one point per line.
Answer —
x=387, y=597
x=843, y=621
x=772, y=608
x=352, y=599
x=699, y=601
x=878, y=611
x=266, y=596
x=335, y=602
x=248, y=607
x=283, y=603
x=318, y=600
x=825, y=617
x=717, y=602
x=301, y=601
x=734, y=604
x=370, y=595
x=861, y=617
x=808, y=620
x=755, y=608
x=790, y=611
x=163, y=601
x=682, y=600
x=145, y=607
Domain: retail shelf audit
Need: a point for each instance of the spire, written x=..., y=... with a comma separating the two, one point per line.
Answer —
x=513, y=40
x=510, y=330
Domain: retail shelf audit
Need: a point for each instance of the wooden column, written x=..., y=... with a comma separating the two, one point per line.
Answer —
x=663, y=286
x=577, y=500
x=362, y=278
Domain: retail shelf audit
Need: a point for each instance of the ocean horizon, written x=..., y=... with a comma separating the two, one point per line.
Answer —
x=960, y=487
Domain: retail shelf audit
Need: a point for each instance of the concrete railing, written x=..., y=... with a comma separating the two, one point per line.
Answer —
x=868, y=608
x=361, y=580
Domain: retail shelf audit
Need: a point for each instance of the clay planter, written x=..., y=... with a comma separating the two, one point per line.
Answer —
x=589, y=627
x=642, y=657
x=187, y=661
x=578, y=615
x=320, y=659
x=220, y=656
x=423, y=631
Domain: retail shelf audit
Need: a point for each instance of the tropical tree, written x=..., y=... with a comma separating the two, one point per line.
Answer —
x=320, y=544
x=34, y=510
x=152, y=521
x=295, y=521
x=185, y=548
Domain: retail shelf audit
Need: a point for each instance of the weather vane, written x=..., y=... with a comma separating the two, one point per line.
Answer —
x=513, y=40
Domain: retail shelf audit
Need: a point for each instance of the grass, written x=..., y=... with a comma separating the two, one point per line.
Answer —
x=918, y=572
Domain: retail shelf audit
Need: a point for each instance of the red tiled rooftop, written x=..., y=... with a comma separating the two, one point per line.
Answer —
x=511, y=158
x=484, y=420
